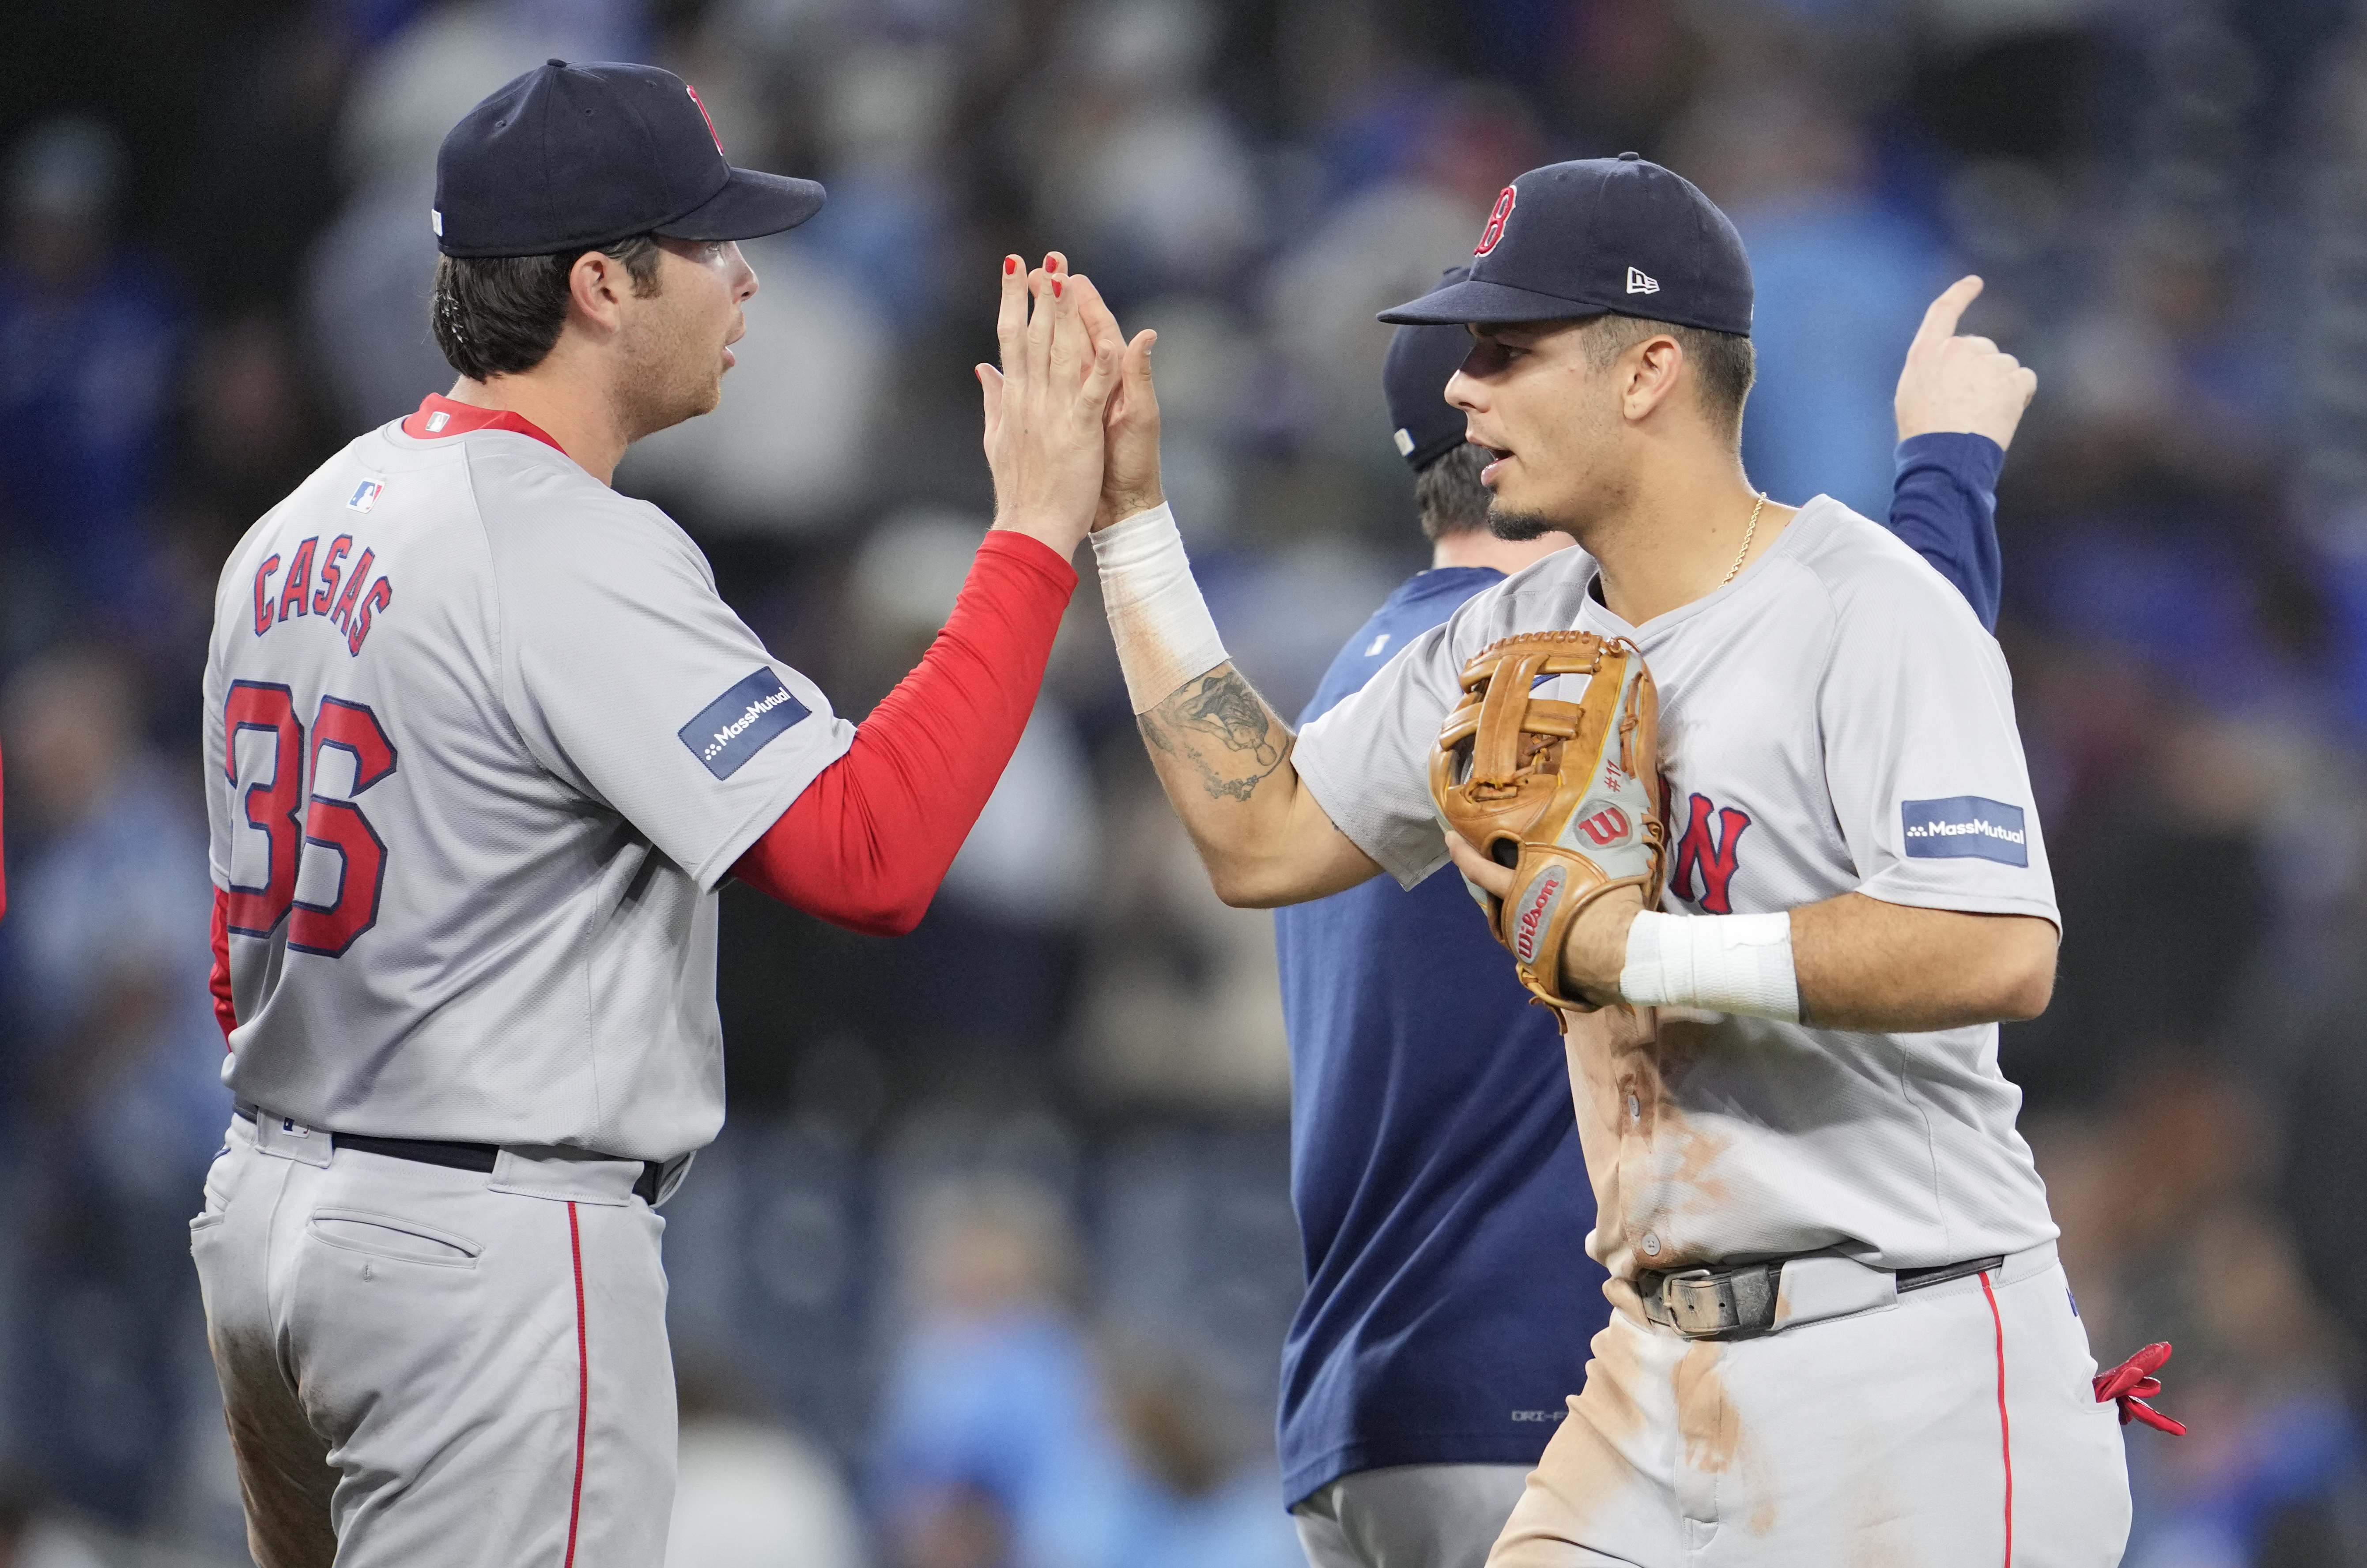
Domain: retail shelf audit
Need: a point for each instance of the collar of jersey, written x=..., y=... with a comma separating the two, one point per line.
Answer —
x=1789, y=543
x=463, y=418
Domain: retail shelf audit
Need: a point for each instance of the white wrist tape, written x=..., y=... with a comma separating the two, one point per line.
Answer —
x=1716, y=962
x=1164, y=634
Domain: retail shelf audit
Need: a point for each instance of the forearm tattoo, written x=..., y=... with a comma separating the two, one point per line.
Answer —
x=1223, y=730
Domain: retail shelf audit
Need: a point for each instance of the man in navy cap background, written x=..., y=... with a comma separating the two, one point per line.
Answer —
x=1443, y=1200
x=1839, y=1331
x=483, y=742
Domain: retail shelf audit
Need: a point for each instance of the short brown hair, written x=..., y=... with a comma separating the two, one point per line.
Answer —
x=1724, y=363
x=1450, y=495
x=499, y=315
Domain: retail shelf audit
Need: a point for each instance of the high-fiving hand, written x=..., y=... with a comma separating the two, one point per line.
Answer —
x=1130, y=481
x=1046, y=406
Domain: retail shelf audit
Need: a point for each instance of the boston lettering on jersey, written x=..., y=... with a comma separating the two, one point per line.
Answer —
x=737, y=724
x=339, y=598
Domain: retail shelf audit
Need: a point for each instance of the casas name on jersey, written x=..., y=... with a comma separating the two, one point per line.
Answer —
x=326, y=589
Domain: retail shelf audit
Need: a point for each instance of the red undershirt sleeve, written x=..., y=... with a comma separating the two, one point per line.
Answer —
x=219, y=981
x=866, y=843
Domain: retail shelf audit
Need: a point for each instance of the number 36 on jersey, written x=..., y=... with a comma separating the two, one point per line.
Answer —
x=283, y=795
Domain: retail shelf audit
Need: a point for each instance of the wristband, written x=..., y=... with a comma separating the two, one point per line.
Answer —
x=1164, y=633
x=1715, y=963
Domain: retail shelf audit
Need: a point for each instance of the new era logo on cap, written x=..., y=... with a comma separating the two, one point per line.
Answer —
x=1642, y=282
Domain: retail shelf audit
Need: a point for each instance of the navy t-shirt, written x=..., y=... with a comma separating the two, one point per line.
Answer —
x=1443, y=1202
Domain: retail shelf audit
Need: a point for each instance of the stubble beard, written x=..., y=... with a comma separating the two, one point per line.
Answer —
x=1520, y=526
x=670, y=376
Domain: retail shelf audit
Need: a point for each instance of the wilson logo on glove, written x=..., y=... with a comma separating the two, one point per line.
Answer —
x=1526, y=780
x=1606, y=827
x=1535, y=909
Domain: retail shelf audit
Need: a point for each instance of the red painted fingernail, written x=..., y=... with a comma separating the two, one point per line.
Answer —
x=1010, y=265
x=1051, y=262
x=1056, y=288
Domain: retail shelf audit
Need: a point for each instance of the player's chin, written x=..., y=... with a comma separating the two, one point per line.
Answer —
x=1512, y=523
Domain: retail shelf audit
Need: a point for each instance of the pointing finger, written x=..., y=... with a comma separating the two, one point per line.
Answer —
x=1939, y=320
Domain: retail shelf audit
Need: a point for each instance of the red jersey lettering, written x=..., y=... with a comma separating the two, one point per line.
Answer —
x=1707, y=858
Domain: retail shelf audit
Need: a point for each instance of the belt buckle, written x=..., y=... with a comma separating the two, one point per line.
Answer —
x=1700, y=1302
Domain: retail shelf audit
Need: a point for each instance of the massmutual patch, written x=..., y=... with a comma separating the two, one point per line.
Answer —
x=1965, y=825
x=737, y=724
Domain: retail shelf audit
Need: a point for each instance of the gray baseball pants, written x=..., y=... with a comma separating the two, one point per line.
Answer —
x=427, y=1365
x=1409, y=1515
x=1956, y=1428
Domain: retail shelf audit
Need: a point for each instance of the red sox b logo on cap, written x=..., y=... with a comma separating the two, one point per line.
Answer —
x=705, y=115
x=1496, y=215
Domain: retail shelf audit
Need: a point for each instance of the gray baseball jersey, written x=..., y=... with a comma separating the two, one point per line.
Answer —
x=481, y=741
x=1833, y=720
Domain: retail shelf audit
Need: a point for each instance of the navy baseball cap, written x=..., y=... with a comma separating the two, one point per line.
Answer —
x=1422, y=360
x=572, y=157
x=1598, y=236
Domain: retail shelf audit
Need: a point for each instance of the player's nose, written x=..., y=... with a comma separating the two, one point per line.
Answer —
x=743, y=280
x=1465, y=391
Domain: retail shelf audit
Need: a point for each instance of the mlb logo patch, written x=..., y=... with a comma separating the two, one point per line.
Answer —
x=365, y=495
x=1965, y=826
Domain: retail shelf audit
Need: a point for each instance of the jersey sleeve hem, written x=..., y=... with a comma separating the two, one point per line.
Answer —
x=710, y=873
x=1369, y=834
x=1891, y=889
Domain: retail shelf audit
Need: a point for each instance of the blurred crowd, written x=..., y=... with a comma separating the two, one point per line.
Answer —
x=992, y=1264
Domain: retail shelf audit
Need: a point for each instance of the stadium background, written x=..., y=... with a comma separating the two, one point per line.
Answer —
x=997, y=1247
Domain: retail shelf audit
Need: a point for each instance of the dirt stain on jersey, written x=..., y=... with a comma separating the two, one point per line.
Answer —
x=1712, y=1429
x=1717, y=1441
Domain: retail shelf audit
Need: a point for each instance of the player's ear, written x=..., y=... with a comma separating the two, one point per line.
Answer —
x=597, y=286
x=1650, y=372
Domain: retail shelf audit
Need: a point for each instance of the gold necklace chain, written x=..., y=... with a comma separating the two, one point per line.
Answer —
x=1748, y=534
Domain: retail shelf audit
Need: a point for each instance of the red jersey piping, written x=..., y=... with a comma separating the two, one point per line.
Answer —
x=459, y=418
x=2005, y=1425
x=582, y=1385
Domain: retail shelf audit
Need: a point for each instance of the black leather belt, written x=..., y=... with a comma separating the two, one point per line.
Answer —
x=478, y=1157
x=1737, y=1303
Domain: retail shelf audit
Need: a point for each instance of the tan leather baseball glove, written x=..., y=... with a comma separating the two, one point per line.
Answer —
x=1566, y=794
